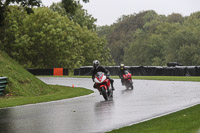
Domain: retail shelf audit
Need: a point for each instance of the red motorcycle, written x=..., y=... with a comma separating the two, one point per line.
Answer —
x=127, y=77
x=103, y=85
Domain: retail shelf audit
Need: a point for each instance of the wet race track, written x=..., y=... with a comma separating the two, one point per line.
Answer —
x=92, y=113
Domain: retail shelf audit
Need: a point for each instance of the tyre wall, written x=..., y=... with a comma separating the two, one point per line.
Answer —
x=135, y=70
x=147, y=70
x=46, y=71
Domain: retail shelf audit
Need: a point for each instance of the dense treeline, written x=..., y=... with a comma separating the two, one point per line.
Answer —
x=52, y=37
x=147, y=38
x=64, y=35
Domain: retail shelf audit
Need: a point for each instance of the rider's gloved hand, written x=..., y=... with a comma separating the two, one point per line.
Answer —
x=108, y=74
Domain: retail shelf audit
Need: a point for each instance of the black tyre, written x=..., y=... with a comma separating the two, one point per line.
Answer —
x=110, y=93
x=132, y=86
x=127, y=86
x=105, y=95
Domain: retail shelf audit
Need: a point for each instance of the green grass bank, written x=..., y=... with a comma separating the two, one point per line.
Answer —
x=25, y=88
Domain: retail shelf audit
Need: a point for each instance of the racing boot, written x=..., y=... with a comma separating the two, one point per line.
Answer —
x=111, y=81
x=112, y=85
x=122, y=81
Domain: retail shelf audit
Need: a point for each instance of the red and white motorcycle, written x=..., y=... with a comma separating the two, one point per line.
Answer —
x=127, y=77
x=103, y=85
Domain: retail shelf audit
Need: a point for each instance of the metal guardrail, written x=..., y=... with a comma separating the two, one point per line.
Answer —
x=3, y=83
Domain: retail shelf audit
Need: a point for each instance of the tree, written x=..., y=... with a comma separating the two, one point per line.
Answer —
x=150, y=39
x=24, y=3
x=175, y=18
x=55, y=40
x=189, y=54
x=84, y=19
x=121, y=33
x=71, y=6
x=47, y=39
x=80, y=16
x=12, y=30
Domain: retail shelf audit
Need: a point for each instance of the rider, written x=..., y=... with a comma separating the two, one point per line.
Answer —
x=122, y=72
x=98, y=68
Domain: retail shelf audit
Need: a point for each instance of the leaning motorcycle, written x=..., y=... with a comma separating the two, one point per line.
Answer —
x=103, y=85
x=127, y=77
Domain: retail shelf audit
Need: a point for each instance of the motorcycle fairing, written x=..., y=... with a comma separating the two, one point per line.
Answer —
x=127, y=76
x=101, y=80
x=105, y=84
x=99, y=77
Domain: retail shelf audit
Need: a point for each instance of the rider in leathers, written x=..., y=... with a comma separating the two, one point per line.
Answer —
x=98, y=68
x=122, y=72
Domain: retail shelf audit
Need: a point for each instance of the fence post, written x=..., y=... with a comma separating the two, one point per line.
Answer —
x=3, y=83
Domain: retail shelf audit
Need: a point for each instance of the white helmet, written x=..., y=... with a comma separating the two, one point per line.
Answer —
x=96, y=64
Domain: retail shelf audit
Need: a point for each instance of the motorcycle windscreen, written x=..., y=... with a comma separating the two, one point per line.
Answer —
x=127, y=75
x=99, y=75
x=126, y=72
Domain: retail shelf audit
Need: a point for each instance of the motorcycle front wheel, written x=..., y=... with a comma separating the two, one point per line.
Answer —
x=105, y=95
x=132, y=86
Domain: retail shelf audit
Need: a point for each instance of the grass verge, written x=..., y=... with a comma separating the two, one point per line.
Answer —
x=169, y=78
x=60, y=92
x=185, y=121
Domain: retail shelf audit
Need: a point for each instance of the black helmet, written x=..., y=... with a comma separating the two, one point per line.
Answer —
x=96, y=64
x=122, y=66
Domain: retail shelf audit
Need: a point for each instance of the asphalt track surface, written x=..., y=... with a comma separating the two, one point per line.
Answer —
x=86, y=114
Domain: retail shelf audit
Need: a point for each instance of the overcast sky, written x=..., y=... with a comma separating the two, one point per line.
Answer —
x=108, y=11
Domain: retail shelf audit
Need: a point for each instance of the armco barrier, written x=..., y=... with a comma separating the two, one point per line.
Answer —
x=3, y=83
